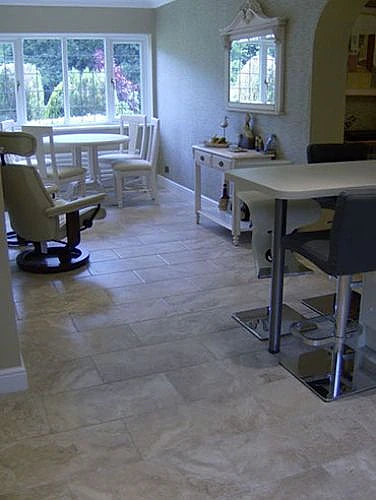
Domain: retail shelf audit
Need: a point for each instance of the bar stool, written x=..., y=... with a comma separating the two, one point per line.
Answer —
x=348, y=248
x=333, y=152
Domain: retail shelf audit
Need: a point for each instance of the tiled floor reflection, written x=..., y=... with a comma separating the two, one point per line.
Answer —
x=142, y=386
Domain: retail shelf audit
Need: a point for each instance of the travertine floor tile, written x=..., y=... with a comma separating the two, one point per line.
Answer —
x=55, y=457
x=125, y=313
x=140, y=361
x=51, y=491
x=314, y=484
x=62, y=375
x=183, y=325
x=45, y=346
x=200, y=475
x=21, y=415
x=74, y=409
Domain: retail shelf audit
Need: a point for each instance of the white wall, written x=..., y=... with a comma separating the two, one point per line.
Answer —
x=75, y=20
x=12, y=373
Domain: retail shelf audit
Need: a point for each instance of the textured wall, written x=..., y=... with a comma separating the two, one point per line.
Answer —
x=75, y=20
x=9, y=348
x=190, y=80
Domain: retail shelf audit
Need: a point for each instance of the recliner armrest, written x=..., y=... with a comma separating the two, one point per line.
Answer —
x=73, y=206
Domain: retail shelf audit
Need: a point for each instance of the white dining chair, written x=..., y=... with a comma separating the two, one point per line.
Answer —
x=138, y=167
x=8, y=125
x=134, y=127
x=46, y=163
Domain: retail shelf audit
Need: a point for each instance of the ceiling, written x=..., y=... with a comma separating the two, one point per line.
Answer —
x=145, y=4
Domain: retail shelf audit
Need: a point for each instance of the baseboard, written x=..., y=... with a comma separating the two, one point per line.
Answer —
x=165, y=181
x=13, y=379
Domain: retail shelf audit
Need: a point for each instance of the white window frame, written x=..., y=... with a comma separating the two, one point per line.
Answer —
x=109, y=39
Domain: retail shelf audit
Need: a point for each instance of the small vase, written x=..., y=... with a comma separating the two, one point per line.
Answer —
x=246, y=142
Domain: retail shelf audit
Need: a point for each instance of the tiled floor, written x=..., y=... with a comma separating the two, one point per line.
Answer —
x=142, y=387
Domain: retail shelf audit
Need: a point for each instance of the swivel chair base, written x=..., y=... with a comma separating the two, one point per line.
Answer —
x=57, y=259
x=14, y=240
x=256, y=321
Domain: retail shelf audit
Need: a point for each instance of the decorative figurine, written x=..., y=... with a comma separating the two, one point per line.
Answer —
x=271, y=145
x=224, y=125
x=247, y=137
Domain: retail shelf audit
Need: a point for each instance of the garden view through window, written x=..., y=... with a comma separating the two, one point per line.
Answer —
x=73, y=79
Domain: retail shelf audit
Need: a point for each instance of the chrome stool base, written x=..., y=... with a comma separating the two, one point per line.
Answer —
x=256, y=321
x=324, y=304
x=313, y=363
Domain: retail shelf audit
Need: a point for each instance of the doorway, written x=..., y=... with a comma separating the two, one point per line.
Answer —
x=329, y=69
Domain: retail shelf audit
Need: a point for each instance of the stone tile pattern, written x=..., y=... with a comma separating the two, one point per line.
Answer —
x=142, y=386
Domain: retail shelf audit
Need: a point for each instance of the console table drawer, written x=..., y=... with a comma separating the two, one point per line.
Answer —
x=203, y=158
x=222, y=163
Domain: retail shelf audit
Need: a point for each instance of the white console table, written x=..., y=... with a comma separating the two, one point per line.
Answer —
x=224, y=160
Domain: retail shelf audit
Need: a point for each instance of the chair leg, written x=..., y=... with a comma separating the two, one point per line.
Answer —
x=154, y=188
x=118, y=180
x=82, y=187
x=342, y=313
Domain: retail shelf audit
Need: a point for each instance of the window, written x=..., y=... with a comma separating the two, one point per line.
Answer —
x=74, y=80
x=7, y=82
x=254, y=61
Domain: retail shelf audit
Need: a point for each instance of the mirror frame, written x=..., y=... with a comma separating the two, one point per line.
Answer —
x=252, y=22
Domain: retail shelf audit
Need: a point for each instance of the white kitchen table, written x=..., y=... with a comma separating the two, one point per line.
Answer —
x=90, y=141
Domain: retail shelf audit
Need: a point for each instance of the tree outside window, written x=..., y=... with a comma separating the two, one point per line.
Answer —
x=65, y=79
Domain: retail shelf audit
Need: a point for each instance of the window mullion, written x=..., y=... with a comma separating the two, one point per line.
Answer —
x=263, y=72
x=147, y=77
x=64, y=54
x=110, y=88
x=20, y=90
x=143, y=77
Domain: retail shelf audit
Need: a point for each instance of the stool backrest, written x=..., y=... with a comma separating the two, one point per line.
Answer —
x=328, y=152
x=334, y=152
x=352, y=246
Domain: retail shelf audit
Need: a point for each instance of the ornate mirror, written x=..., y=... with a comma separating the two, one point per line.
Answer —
x=254, y=61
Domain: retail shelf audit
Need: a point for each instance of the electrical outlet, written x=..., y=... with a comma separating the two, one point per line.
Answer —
x=166, y=169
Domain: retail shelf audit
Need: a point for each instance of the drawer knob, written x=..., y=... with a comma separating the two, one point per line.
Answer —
x=220, y=163
x=202, y=158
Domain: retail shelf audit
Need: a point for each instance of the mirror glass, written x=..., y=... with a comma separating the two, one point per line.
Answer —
x=252, y=70
x=254, y=73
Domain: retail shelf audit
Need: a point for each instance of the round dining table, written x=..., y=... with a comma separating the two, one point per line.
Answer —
x=90, y=141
